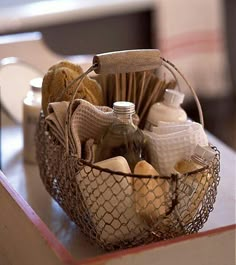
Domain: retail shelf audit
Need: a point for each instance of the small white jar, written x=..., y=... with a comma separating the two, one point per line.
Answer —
x=169, y=110
x=31, y=110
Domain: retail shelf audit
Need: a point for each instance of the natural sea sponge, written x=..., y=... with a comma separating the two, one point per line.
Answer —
x=57, y=79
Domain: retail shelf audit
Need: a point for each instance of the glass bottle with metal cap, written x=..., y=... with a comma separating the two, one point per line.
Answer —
x=123, y=137
x=31, y=110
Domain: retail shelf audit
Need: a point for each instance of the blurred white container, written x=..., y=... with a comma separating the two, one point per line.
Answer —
x=31, y=110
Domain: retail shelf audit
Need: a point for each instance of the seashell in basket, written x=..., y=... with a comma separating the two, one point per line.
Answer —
x=109, y=198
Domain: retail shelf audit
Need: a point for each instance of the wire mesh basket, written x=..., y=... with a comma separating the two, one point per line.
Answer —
x=118, y=210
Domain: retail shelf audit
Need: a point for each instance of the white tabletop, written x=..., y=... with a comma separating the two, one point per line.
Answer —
x=26, y=181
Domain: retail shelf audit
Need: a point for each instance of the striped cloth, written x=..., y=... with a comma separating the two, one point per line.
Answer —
x=191, y=35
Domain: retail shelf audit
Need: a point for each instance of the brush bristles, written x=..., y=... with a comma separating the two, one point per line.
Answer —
x=142, y=88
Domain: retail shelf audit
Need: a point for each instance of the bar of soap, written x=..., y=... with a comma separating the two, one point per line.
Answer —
x=109, y=198
x=117, y=163
x=144, y=168
x=150, y=193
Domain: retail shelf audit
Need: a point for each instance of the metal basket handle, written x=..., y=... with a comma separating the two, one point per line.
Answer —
x=122, y=62
x=136, y=61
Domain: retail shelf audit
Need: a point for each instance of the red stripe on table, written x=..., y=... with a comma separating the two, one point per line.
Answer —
x=104, y=259
x=63, y=255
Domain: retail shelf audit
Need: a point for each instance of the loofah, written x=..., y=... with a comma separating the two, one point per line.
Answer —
x=57, y=79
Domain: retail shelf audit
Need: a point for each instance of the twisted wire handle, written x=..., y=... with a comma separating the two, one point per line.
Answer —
x=165, y=64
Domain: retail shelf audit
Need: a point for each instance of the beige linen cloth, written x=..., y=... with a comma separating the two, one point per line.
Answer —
x=88, y=123
x=191, y=34
x=56, y=119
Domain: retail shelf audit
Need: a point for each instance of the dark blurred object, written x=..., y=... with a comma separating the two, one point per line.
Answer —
x=219, y=117
x=108, y=33
x=102, y=34
x=230, y=21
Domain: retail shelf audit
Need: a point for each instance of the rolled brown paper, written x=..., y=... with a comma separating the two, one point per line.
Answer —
x=127, y=61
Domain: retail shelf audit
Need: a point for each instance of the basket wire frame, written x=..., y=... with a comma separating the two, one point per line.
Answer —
x=117, y=210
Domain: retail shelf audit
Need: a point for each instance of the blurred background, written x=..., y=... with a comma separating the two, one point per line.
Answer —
x=198, y=36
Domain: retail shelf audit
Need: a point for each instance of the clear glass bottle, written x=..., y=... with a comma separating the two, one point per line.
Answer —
x=31, y=110
x=169, y=110
x=123, y=137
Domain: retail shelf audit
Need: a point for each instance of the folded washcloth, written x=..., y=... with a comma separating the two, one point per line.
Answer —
x=89, y=121
x=87, y=125
x=172, y=143
x=56, y=120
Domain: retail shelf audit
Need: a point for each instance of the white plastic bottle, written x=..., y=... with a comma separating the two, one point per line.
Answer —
x=169, y=110
x=31, y=110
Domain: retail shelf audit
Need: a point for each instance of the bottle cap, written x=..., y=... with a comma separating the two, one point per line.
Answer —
x=123, y=107
x=173, y=97
x=36, y=84
x=203, y=154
